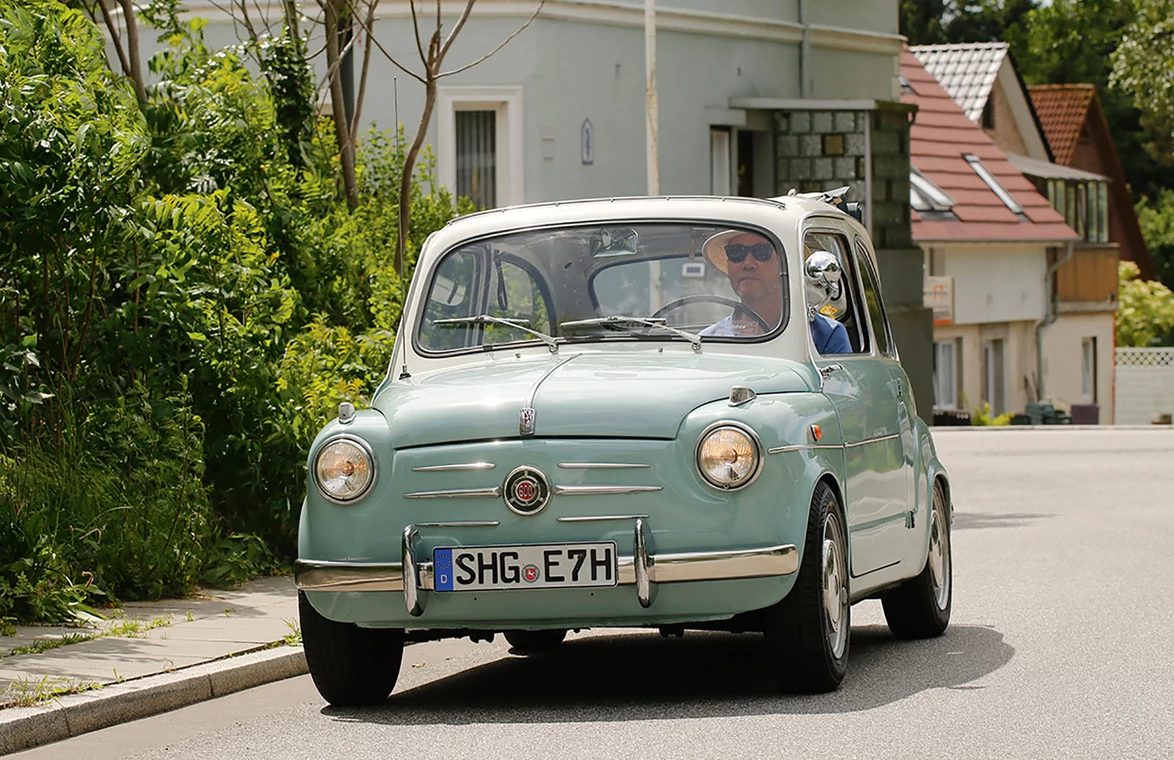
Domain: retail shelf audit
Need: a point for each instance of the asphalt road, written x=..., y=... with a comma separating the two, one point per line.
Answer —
x=1061, y=646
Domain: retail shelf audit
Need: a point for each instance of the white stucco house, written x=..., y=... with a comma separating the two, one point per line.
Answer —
x=990, y=243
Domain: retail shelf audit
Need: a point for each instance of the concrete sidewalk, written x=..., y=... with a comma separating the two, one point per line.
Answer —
x=147, y=658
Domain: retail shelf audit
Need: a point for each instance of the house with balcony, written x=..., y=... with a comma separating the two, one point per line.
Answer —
x=988, y=238
x=1077, y=332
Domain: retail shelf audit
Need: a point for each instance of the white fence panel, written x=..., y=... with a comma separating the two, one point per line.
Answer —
x=1144, y=385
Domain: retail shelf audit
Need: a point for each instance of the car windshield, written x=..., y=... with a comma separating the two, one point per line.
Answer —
x=663, y=282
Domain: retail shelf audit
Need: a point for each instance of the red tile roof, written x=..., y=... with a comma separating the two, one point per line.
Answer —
x=939, y=137
x=1062, y=109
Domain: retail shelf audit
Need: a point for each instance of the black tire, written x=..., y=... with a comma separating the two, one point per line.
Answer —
x=533, y=642
x=807, y=648
x=920, y=607
x=351, y=666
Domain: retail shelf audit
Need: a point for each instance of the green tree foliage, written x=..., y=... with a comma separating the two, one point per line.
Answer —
x=935, y=22
x=1145, y=314
x=1156, y=218
x=1143, y=68
x=185, y=297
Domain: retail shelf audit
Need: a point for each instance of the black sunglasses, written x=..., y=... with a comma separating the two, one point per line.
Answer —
x=736, y=252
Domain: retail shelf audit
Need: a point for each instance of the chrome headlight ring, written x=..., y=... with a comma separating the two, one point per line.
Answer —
x=369, y=467
x=754, y=444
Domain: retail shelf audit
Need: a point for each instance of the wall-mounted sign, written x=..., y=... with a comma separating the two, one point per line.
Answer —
x=588, y=133
x=939, y=296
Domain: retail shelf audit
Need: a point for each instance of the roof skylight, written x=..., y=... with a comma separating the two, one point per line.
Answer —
x=925, y=195
x=993, y=183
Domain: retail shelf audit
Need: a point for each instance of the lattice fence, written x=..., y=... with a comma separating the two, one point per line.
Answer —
x=1145, y=385
x=1145, y=357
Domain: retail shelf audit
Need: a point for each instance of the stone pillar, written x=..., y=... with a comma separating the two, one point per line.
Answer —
x=823, y=149
x=902, y=267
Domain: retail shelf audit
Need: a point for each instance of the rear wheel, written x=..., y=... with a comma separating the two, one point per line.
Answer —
x=809, y=631
x=350, y=665
x=533, y=642
x=920, y=607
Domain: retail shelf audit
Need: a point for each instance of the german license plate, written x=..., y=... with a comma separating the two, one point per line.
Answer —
x=479, y=568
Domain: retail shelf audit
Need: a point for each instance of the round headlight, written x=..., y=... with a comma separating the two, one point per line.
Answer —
x=344, y=469
x=728, y=456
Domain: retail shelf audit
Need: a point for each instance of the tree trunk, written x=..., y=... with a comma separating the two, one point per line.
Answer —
x=405, y=184
x=346, y=146
x=132, y=48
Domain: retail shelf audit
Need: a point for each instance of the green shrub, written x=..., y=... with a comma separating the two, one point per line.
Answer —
x=117, y=510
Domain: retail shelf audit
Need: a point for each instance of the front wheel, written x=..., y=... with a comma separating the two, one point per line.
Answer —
x=920, y=607
x=808, y=632
x=351, y=666
x=533, y=642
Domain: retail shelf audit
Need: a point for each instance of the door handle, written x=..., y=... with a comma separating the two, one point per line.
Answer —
x=828, y=369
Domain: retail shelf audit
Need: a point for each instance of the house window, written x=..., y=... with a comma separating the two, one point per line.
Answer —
x=992, y=381
x=476, y=157
x=1085, y=206
x=1088, y=370
x=479, y=147
x=988, y=113
x=945, y=373
x=719, y=161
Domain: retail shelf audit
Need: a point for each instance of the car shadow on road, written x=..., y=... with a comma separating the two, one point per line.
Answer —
x=972, y=521
x=643, y=677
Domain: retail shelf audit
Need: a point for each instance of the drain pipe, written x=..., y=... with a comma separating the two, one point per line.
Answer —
x=1050, y=316
x=805, y=52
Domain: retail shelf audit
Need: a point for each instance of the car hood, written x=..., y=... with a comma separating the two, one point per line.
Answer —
x=589, y=394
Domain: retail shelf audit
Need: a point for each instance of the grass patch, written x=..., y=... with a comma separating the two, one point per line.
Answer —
x=123, y=628
x=30, y=693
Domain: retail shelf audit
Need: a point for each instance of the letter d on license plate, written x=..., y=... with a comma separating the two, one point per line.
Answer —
x=477, y=568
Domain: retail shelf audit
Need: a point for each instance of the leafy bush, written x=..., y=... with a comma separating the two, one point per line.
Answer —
x=1145, y=314
x=184, y=300
x=117, y=509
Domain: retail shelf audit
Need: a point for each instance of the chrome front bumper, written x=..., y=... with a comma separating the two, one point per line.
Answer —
x=642, y=570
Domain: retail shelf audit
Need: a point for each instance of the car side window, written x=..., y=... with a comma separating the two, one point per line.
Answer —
x=873, y=301
x=842, y=309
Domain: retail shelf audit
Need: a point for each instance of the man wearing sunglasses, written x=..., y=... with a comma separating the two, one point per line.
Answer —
x=756, y=275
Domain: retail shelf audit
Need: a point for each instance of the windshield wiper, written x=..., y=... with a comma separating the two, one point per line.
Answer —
x=486, y=319
x=620, y=320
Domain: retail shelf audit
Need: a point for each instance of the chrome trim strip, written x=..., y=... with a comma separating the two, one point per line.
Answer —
x=410, y=580
x=601, y=466
x=460, y=524
x=852, y=445
x=796, y=447
x=602, y=490
x=456, y=493
x=533, y=392
x=455, y=467
x=682, y=567
x=867, y=441
x=602, y=518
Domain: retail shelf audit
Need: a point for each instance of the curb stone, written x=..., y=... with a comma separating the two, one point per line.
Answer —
x=23, y=728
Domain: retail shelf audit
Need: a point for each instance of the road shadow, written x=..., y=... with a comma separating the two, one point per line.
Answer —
x=971, y=521
x=644, y=677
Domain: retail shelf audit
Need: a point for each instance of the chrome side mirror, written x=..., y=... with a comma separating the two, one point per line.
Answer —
x=823, y=271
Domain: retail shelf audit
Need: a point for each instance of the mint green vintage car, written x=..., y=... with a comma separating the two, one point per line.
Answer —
x=668, y=413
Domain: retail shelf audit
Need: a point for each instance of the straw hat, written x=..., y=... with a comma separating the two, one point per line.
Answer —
x=715, y=247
